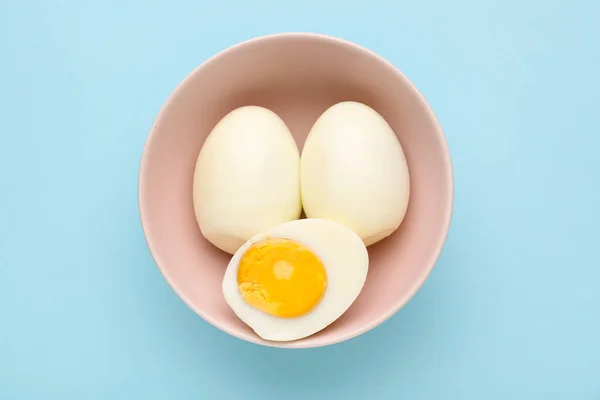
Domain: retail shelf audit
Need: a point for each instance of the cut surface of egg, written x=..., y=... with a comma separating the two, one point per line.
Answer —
x=353, y=170
x=296, y=278
x=246, y=177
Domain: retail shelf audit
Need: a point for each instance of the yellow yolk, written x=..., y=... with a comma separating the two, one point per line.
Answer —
x=281, y=277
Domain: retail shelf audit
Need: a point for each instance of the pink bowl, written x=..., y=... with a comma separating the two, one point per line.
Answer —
x=298, y=76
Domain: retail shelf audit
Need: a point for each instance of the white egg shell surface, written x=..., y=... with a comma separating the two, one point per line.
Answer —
x=353, y=170
x=246, y=177
x=346, y=263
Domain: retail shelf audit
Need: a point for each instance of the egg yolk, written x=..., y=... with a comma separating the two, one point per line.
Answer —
x=281, y=277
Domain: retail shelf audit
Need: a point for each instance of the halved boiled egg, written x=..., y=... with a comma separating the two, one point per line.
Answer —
x=296, y=278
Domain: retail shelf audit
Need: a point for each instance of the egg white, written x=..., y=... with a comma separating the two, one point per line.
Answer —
x=346, y=262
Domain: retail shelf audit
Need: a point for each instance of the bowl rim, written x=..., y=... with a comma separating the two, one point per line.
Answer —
x=402, y=301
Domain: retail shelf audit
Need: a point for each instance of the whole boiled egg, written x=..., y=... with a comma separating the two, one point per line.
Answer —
x=353, y=170
x=296, y=278
x=246, y=177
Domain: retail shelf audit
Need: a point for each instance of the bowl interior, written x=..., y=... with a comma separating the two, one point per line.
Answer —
x=298, y=76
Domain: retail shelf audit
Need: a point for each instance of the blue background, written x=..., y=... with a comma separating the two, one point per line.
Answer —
x=512, y=310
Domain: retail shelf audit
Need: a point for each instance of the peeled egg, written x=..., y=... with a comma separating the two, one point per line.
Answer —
x=246, y=177
x=353, y=171
x=296, y=278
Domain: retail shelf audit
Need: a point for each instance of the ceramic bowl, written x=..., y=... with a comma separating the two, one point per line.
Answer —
x=298, y=76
